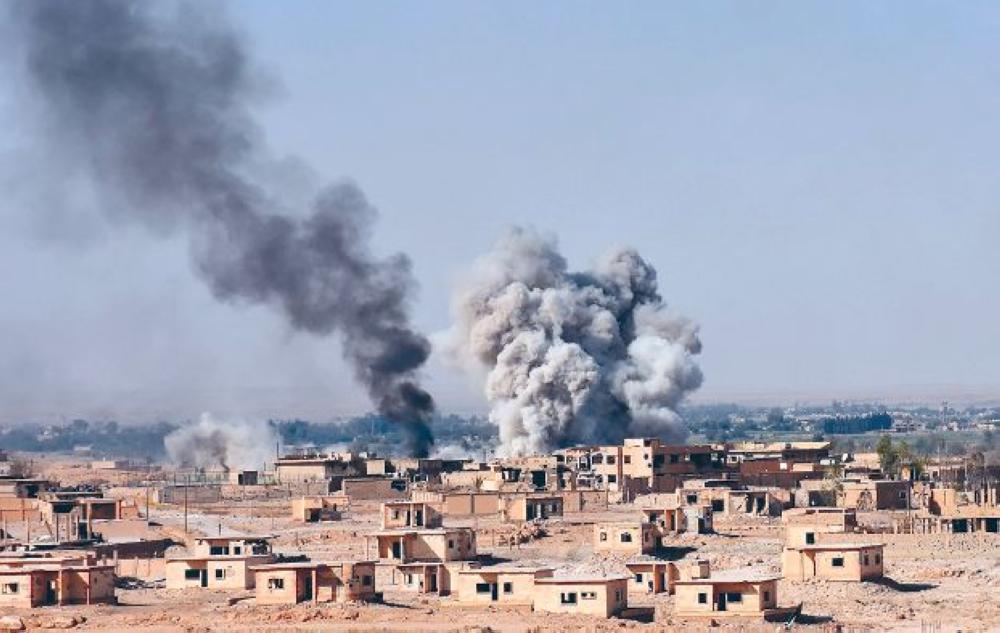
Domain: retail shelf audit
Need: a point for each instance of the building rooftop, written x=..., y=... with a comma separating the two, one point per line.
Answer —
x=581, y=578
x=852, y=545
x=747, y=574
x=308, y=564
x=507, y=568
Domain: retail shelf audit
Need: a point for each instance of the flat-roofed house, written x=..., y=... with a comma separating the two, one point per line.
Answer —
x=435, y=544
x=651, y=575
x=875, y=494
x=42, y=581
x=297, y=469
x=802, y=525
x=746, y=592
x=670, y=520
x=242, y=545
x=291, y=583
x=410, y=514
x=317, y=508
x=500, y=584
x=601, y=596
x=626, y=537
x=851, y=562
x=530, y=507
x=219, y=562
x=213, y=572
x=434, y=577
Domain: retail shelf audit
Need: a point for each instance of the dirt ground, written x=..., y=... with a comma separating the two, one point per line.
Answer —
x=934, y=583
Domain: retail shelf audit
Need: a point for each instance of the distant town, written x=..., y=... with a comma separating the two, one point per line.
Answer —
x=843, y=505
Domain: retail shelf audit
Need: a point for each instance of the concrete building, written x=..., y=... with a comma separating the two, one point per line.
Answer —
x=433, y=577
x=291, y=583
x=318, y=508
x=219, y=562
x=669, y=520
x=729, y=496
x=875, y=494
x=213, y=572
x=698, y=519
x=833, y=561
x=435, y=544
x=242, y=545
x=650, y=575
x=22, y=488
x=747, y=593
x=644, y=465
x=626, y=537
x=500, y=584
x=296, y=469
x=601, y=596
x=410, y=514
x=783, y=451
x=531, y=507
x=803, y=524
x=373, y=488
x=27, y=582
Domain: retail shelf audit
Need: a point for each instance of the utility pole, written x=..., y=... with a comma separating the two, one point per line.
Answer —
x=186, y=479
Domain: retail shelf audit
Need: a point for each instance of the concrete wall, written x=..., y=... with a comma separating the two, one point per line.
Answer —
x=16, y=590
x=857, y=564
x=371, y=489
x=601, y=599
x=234, y=572
x=639, y=538
x=752, y=597
x=509, y=588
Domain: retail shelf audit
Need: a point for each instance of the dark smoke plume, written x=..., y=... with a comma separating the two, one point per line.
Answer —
x=151, y=99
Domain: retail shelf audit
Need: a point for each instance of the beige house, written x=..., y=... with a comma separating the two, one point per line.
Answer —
x=435, y=544
x=500, y=584
x=601, y=596
x=291, y=583
x=318, y=508
x=651, y=575
x=43, y=581
x=833, y=561
x=670, y=520
x=731, y=593
x=434, y=577
x=298, y=469
x=219, y=562
x=531, y=507
x=626, y=537
x=410, y=514
x=213, y=572
x=243, y=545
x=802, y=525
x=875, y=494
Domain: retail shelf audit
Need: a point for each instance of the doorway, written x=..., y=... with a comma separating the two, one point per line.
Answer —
x=51, y=592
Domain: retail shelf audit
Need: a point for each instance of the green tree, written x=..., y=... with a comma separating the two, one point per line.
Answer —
x=887, y=456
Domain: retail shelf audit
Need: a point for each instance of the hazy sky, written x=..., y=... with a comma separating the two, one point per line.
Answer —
x=815, y=182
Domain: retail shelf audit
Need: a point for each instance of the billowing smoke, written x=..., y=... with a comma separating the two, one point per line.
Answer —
x=574, y=357
x=211, y=443
x=151, y=100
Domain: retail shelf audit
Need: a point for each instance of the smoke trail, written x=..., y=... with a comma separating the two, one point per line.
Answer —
x=212, y=443
x=574, y=357
x=154, y=105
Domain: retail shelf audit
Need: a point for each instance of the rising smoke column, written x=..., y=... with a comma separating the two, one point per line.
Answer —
x=574, y=357
x=212, y=443
x=151, y=100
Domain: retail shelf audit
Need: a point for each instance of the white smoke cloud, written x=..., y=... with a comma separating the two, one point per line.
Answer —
x=574, y=357
x=212, y=443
